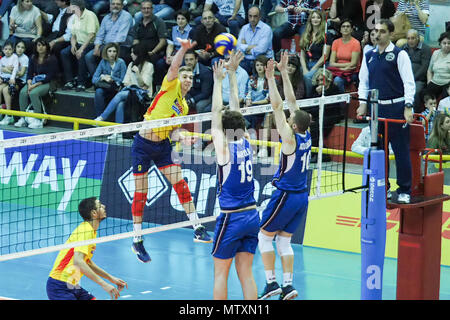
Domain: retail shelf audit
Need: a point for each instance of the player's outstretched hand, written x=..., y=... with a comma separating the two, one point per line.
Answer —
x=270, y=69
x=187, y=43
x=218, y=70
x=284, y=59
x=235, y=59
x=113, y=292
x=119, y=283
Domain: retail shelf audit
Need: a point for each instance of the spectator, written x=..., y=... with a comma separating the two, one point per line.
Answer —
x=440, y=136
x=139, y=77
x=429, y=113
x=200, y=95
x=231, y=14
x=332, y=113
x=242, y=79
x=84, y=27
x=444, y=104
x=297, y=11
x=9, y=66
x=204, y=35
x=151, y=32
x=295, y=74
x=42, y=69
x=25, y=23
x=312, y=43
x=376, y=10
x=347, y=10
x=345, y=57
x=417, y=12
x=419, y=54
x=182, y=30
x=257, y=92
x=108, y=76
x=164, y=9
x=59, y=38
x=21, y=76
x=115, y=27
x=438, y=74
x=49, y=11
x=369, y=41
x=254, y=39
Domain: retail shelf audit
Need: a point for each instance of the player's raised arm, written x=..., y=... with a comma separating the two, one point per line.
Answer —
x=288, y=90
x=233, y=63
x=177, y=60
x=284, y=129
x=218, y=136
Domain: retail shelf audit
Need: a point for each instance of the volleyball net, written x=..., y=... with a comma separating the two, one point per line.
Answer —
x=44, y=177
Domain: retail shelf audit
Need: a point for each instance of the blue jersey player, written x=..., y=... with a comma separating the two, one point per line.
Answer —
x=289, y=202
x=236, y=232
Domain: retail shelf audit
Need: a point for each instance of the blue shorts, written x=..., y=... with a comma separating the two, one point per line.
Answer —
x=235, y=232
x=143, y=151
x=285, y=211
x=60, y=290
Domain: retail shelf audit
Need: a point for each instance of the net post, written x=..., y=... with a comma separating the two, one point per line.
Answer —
x=373, y=99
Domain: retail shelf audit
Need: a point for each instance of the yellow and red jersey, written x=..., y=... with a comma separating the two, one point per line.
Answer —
x=168, y=103
x=63, y=268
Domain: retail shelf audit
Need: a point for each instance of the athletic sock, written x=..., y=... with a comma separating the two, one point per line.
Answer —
x=287, y=279
x=270, y=276
x=192, y=217
x=137, y=227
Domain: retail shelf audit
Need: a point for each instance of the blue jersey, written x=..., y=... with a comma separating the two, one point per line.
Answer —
x=235, y=179
x=292, y=174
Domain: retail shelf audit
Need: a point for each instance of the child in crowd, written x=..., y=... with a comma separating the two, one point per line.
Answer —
x=9, y=65
x=429, y=113
x=21, y=76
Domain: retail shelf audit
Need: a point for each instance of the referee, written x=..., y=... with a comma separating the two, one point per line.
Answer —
x=388, y=69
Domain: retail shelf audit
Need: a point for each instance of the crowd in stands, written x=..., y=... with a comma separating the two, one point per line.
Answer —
x=117, y=47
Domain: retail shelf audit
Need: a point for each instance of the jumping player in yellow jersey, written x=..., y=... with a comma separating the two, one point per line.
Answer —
x=71, y=264
x=155, y=145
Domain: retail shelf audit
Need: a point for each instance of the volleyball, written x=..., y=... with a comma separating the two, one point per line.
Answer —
x=224, y=43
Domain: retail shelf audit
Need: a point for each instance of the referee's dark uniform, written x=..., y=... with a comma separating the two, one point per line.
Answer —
x=391, y=73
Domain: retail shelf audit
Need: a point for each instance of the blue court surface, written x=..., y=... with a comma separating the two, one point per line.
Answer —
x=183, y=270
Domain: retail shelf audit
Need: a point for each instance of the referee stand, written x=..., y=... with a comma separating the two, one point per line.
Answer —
x=420, y=230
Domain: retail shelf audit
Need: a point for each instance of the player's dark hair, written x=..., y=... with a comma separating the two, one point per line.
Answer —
x=388, y=23
x=233, y=121
x=302, y=119
x=86, y=206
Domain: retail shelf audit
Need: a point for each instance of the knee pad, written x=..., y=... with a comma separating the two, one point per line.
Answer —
x=264, y=243
x=137, y=207
x=183, y=192
x=284, y=247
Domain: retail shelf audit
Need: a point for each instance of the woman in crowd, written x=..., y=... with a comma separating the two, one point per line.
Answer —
x=438, y=74
x=440, y=136
x=345, y=57
x=25, y=23
x=312, y=43
x=108, y=76
x=42, y=70
x=369, y=41
x=139, y=76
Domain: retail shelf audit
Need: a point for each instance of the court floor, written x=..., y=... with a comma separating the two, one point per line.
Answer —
x=183, y=270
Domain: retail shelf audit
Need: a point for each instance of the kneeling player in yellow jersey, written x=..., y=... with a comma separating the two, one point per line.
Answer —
x=155, y=145
x=71, y=264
